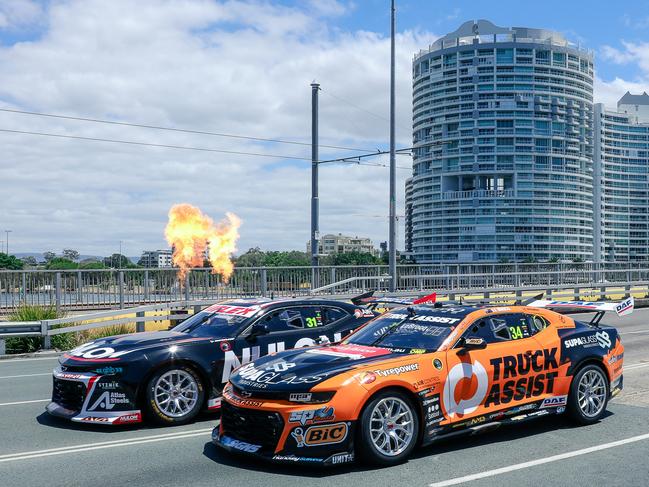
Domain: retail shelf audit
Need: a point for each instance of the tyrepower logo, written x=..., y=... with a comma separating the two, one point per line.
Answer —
x=320, y=435
x=397, y=370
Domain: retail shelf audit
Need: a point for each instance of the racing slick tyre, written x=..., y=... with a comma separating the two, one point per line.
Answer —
x=174, y=395
x=388, y=429
x=588, y=395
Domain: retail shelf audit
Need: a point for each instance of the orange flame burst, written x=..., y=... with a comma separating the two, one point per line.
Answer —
x=190, y=233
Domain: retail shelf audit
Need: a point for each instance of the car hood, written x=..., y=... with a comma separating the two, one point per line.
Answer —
x=125, y=347
x=301, y=369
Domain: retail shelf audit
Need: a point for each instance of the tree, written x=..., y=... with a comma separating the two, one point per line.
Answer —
x=351, y=258
x=118, y=261
x=92, y=265
x=70, y=254
x=252, y=258
x=61, y=263
x=48, y=256
x=29, y=260
x=10, y=262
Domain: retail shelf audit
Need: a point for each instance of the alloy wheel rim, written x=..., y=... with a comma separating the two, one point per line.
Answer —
x=591, y=393
x=176, y=393
x=391, y=426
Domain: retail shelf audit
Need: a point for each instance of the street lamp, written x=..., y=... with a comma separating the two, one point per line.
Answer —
x=7, y=239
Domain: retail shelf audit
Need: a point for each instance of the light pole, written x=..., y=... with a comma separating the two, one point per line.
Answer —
x=7, y=239
x=120, y=254
x=315, y=217
x=392, y=256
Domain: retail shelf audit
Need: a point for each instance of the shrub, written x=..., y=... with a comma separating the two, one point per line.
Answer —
x=27, y=312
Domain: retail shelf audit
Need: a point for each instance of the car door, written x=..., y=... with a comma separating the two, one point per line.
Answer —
x=503, y=375
x=291, y=326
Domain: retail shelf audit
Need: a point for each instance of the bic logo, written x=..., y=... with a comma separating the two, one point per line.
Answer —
x=320, y=435
x=457, y=375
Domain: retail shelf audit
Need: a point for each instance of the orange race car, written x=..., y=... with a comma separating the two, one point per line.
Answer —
x=421, y=373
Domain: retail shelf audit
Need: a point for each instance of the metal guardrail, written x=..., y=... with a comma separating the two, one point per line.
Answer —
x=170, y=311
x=121, y=288
x=90, y=321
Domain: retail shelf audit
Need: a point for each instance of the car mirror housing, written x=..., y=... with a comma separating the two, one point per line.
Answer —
x=471, y=343
x=258, y=329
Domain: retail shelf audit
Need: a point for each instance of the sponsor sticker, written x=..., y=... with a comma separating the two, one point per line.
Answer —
x=246, y=311
x=300, y=397
x=239, y=445
x=401, y=369
x=320, y=435
x=554, y=401
x=340, y=458
x=601, y=338
x=312, y=416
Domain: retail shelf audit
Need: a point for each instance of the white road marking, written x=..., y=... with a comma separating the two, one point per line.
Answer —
x=540, y=461
x=24, y=375
x=13, y=360
x=634, y=366
x=101, y=445
x=23, y=402
x=633, y=332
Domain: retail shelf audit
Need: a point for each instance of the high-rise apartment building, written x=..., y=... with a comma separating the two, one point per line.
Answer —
x=503, y=148
x=621, y=180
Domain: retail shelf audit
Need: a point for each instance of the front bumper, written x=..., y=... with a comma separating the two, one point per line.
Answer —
x=239, y=447
x=86, y=397
x=281, y=432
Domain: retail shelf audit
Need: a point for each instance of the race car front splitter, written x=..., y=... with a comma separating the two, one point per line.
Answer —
x=86, y=397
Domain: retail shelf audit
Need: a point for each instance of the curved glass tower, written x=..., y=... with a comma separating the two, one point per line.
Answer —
x=503, y=157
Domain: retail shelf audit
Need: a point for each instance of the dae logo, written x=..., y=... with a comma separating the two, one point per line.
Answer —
x=459, y=374
x=554, y=401
x=320, y=435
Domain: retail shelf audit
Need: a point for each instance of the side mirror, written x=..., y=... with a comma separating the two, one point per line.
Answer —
x=257, y=330
x=471, y=343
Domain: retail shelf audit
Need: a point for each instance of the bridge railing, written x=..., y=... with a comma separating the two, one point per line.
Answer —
x=121, y=288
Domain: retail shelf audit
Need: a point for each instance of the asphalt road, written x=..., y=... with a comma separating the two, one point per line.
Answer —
x=37, y=450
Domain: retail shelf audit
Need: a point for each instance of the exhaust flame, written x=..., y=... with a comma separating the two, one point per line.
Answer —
x=190, y=233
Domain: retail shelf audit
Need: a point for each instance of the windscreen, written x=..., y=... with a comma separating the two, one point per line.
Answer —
x=424, y=331
x=218, y=321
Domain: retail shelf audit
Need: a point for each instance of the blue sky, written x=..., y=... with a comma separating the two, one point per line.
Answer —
x=240, y=67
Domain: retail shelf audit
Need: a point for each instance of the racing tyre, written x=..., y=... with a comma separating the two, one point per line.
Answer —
x=174, y=395
x=388, y=429
x=588, y=395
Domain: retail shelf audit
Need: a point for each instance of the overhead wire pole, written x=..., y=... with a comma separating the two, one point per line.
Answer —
x=392, y=257
x=315, y=216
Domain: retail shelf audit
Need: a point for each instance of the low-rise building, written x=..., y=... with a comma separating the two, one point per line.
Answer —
x=343, y=244
x=156, y=258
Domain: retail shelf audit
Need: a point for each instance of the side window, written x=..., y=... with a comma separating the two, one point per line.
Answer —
x=537, y=323
x=510, y=327
x=312, y=316
x=332, y=315
x=480, y=329
x=283, y=320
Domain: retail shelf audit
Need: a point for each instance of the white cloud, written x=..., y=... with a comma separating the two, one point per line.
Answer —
x=237, y=67
x=17, y=13
x=610, y=91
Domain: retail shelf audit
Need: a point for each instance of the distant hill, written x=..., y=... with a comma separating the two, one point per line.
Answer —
x=39, y=256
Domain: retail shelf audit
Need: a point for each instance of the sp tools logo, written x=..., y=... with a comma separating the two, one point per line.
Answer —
x=320, y=435
x=459, y=373
x=311, y=416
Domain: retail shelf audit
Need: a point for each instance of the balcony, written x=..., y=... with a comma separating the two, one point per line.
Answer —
x=478, y=193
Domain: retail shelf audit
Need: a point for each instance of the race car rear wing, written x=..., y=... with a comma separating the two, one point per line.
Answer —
x=621, y=308
x=372, y=301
